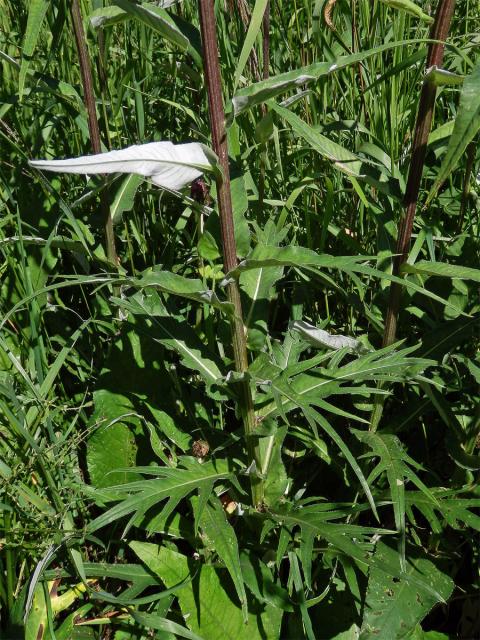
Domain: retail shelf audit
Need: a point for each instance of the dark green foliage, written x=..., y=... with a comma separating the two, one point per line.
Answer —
x=125, y=509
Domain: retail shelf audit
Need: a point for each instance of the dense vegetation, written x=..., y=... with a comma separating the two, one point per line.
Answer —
x=309, y=468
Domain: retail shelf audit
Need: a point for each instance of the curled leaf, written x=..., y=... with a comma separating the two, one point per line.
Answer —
x=168, y=165
x=409, y=7
x=321, y=338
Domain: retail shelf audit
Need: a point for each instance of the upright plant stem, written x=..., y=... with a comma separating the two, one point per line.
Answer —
x=439, y=32
x=266, y=42
x=93, y=128
x=265, y=74
x=219, y=142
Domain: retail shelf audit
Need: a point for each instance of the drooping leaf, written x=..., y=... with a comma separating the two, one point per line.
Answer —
x=396, y=464
x=258, y=285
x=240, y=207
x=221, y=536
x=174, y=333
x=443, y=270
x=209, y=244
x=263, y=91
x=409, y=7
x=175, y=284
x=303, y=258
x=467, y=124
x=311, y=387
x=37, y=620
x=344, y=160
x=168, y=165
x=396, y=603
x=171, y=27
x=320, y=338
x=107, y=16
x=276, y=479
x=351, y=164
x=442, y=77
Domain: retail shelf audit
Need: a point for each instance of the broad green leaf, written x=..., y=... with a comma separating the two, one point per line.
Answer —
x=220, y=535
x=207, y=608
x=112, y=446
x=442, y=270
x=467, y=124
x=210, y=242
x=124, y=197
x=240, y=207
x=420, y=634
x=354, y=166
x=107, y=16
x=249, y=42
x=264, y=255
x=265, y=90
x=37, y=10
x=409, y=7
x=166, y=425
x=396, y=603
x=258, y=285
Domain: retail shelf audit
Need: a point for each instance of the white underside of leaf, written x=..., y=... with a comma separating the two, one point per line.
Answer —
x=168, y=165
x=321, y=338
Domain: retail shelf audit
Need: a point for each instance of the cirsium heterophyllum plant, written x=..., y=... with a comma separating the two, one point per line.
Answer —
x=206, y=426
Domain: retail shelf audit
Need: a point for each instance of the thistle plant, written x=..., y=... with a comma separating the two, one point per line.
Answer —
x=194, y=338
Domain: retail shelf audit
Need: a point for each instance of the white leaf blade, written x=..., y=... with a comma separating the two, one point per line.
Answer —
x=321, y=338
x=168, y=166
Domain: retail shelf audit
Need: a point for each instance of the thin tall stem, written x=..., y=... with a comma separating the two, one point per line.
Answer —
x=265, y=74
x=439, y=33
x=266, y=41
x=93, y=128
x=219, y=142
